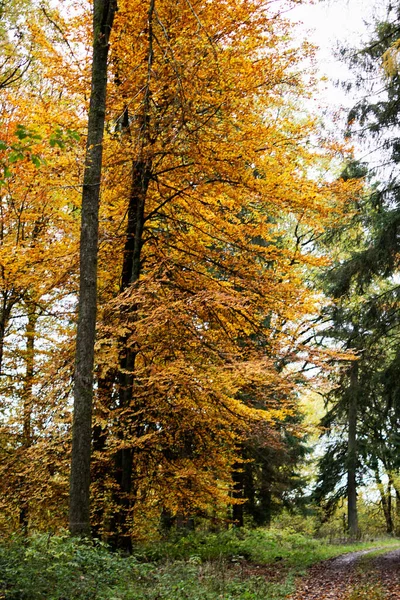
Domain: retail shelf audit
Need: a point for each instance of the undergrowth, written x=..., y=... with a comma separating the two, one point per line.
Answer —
x=232, y=565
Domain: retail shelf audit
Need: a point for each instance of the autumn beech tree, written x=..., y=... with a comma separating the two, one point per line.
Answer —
x=39, y=151
x=203, y=297
x=207, y=222
x=35, y=289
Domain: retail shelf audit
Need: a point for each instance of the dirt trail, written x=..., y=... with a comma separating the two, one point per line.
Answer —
x=387, y=569
x=339, y=578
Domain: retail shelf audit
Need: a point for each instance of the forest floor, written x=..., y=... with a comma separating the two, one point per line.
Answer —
x=369, y=574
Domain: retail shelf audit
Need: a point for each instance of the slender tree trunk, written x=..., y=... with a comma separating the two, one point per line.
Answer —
x=131, y=270
x=5, y=311
x=390, y=522
x=266, y=497
x=249, y=490
x=352, y=517
x=389, y=519
x=397, y=509
x=101, y=463
x=29, y=373
x=27, y=398
x=386, y=501
x=79, y=516
x=238, y=486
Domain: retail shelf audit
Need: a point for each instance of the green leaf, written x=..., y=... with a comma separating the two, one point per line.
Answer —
x=36, y=160
x=74, y=135
x=21, y=132
x=56, y=139
x=15, y=156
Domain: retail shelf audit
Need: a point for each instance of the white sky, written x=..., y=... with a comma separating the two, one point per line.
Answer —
x=327, y=22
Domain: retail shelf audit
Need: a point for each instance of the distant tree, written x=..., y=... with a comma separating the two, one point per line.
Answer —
x=15, y=41
x=268, y=478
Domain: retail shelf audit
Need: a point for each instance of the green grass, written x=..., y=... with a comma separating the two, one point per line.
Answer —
x=233, y=565
x=284, y=548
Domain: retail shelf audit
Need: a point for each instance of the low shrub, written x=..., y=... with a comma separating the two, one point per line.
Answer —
x=61, y=568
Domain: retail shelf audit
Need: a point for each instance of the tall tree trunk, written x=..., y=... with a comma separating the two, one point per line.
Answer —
x=390, y=522
x=27, y=398
x=389, y=519
x=131, y=270
x=265, y=497
x=101, y=462
x=29, y=373
x=79, y=515
x=352, y=517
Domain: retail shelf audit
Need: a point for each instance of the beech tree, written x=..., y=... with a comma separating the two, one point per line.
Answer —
x=207, y=223
x=209, y=282
x=38, y=245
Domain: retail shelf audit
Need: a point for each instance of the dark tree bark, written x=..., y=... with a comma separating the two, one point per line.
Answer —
x=389, y=510
x=7, y=303
x=238, y=494
x=27, y=398
x=79, y=516
x=397, y=510
x=131, y=270
x=101, y=464
x=29, y=373
x=352, y=517
x=265, y=498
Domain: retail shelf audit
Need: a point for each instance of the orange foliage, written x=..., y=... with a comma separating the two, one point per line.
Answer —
x=207, y=139
x=210, y=141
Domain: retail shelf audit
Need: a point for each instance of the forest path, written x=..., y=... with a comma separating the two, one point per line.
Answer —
x=352, y=577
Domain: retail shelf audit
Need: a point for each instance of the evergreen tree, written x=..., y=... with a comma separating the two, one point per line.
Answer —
x=363, y=280
x=361, y=422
